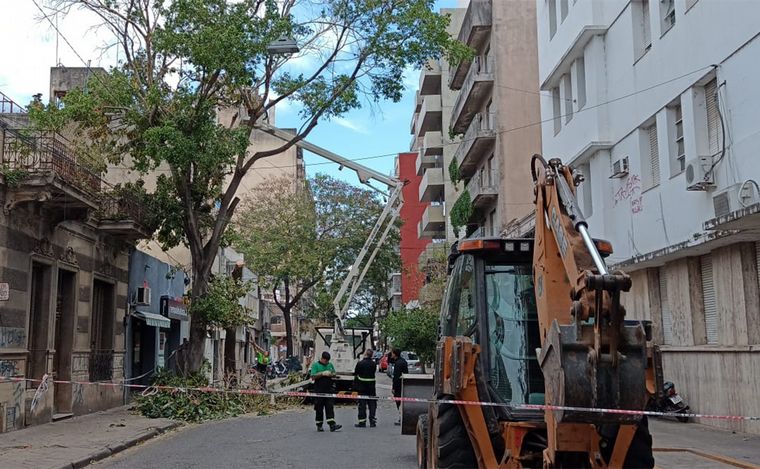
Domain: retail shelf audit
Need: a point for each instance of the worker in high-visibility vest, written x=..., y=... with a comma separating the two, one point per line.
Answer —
x=262, y=361
x=364, y=384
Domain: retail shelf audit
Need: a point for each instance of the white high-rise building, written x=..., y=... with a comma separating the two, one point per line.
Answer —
x=657, y=102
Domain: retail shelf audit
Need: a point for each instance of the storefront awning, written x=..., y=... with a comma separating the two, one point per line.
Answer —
x=151, y=319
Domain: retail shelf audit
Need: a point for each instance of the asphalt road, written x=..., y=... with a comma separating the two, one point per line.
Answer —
x=288, y=439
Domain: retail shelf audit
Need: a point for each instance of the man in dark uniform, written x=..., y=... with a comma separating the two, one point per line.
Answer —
x=364, y=384
x=400, y=367
x=322, y=373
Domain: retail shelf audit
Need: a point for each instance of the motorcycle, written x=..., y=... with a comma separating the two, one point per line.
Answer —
x=670, y=402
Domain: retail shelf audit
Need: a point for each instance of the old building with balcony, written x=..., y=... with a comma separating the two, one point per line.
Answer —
x=656, y=103
x=495, y=114
x=65, y=238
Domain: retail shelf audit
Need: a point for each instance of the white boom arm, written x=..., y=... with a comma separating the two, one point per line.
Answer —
x=342, y=353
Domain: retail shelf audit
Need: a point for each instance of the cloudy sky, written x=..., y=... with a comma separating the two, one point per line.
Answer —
x=30, y=47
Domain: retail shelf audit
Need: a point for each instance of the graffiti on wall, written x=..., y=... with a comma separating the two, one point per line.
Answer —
x=9, y=368
x=12, y=337
x=13, y=412
x=630, y=192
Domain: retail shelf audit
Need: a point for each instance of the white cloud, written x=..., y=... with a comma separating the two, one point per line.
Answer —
x=343, y=122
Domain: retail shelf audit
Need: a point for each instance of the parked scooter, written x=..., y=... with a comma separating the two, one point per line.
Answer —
x=670, y=402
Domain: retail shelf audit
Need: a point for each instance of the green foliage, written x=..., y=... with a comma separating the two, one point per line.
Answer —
x=461, y=211
x=454, y=173
x=220, y=306
x=193, y=405
x=13, y=177
x=360, y=320
x=414, y=330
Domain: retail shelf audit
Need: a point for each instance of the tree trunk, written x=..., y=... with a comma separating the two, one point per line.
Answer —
x=197, y=343
x=288, y=324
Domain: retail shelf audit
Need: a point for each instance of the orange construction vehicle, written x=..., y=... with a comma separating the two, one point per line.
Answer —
x=531, y=323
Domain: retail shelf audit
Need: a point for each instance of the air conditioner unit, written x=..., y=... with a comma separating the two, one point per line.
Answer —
x=620, y=168
x=143, y=296
x=699, y=174
x=734, y=198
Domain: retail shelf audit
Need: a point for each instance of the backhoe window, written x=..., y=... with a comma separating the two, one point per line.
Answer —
x=459, y=312
x=513, y=334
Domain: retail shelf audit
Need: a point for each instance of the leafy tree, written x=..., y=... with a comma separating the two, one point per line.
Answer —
x=186, y=59
x=297, y=236
x=413, y=329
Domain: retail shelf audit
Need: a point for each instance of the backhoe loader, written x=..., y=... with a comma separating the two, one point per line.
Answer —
x=535, y=329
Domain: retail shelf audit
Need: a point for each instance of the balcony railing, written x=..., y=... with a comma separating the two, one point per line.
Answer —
x=478, y=142
x=39, y=153
x=101, y=365
x=475, y=32
x=8, y=106
x=484, y=188
x=476, y=88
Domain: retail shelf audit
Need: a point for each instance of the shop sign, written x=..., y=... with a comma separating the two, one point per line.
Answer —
x=173, y=309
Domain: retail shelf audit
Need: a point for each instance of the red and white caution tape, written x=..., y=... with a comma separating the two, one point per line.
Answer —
x=153, y=389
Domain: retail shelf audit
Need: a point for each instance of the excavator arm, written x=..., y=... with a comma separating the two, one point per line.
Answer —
x=590, y=356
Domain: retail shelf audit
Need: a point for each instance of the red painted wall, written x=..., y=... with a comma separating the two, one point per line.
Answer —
x=411, y=214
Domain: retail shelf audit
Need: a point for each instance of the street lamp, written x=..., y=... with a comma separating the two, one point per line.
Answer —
x=283, y=45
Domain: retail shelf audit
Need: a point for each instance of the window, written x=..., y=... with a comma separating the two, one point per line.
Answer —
x=492, y=223
x=713, y=116
x=552, y=18
x=568, y=98
x=708, y=299
x=667, y=317
x=668, y=15
x=557, y=110
x=460, y=303
x=642, y=34
x=585, y=190
x=678, y=161
x=563, y=9
x=102, y=334
x=580, y=81
x=651, y=157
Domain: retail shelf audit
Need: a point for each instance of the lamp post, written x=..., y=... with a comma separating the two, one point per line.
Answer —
x=282, y=46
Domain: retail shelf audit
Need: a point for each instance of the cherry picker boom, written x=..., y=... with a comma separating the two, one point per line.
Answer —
x=340, y=349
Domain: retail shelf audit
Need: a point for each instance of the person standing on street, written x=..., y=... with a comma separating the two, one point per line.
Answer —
x=400, y=367
x=364, y=384
x=322, y=373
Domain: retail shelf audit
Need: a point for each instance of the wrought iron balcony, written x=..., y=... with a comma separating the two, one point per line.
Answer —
x=123, y=215
x=478, y=143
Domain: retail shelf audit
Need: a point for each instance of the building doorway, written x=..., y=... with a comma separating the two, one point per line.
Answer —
x=65, y=313
x=101, y=342
x=39, y=323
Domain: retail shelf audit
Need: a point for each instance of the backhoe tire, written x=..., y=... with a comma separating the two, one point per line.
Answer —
x=454, y=449
x=423, y=440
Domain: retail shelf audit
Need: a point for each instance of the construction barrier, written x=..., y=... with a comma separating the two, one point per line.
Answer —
x=151, y=389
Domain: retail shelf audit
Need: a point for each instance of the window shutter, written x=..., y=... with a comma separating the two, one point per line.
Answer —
x=667, y=317
x=757, y=259
x=708, y=299
x=713, y=119
x=654, y=157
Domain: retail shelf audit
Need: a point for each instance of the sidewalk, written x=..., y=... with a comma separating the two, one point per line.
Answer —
x=698, y=446
x=78, y=441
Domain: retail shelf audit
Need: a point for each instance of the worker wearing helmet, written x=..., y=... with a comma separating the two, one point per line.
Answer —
x=364, y=384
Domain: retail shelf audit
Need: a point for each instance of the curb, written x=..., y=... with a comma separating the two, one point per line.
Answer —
x=116, y=448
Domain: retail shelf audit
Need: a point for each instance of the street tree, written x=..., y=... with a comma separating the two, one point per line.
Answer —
x=413, y=329
x=182, y=61
x=298, y=236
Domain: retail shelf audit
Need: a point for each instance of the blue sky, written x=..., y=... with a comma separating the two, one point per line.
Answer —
x=30, y=48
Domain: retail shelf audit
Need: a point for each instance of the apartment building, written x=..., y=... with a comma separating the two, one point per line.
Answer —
x=433, y=143
x=656, y=102
x=495, y=111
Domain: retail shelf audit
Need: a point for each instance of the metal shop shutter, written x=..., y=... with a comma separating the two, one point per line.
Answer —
x=667, y=317
x=708, y=299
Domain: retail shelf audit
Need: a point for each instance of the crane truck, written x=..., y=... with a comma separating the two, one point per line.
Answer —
x=341, y=344
x=535, y=329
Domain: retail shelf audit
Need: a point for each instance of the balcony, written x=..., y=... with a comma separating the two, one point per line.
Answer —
x=475, y=32
x=431, y=186
x=430, y=118
x=122, y=215
x=417, y=101
x=432, y=143
x=430, y=78
x=433, y=223
x=425, y=162
x=484, y=189
x=477, y=87
x=478, y=142
x=39, y=167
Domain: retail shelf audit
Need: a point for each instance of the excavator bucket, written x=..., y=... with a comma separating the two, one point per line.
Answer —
x=577, y=377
